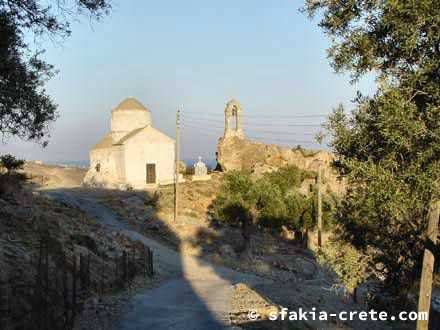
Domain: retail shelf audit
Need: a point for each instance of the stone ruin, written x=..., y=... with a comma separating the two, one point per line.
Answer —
x=233, y=111
x=236, y=152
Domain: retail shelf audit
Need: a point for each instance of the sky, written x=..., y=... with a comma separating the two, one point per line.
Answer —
x=194, y=55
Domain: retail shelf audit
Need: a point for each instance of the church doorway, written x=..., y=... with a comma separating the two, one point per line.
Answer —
x=151, y=173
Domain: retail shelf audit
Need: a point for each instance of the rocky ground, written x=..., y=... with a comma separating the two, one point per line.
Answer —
x=54, y=176
x=103, y=312
x=295, y=278
x=28, y=218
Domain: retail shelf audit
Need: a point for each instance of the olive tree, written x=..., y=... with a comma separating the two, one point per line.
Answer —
x=26, y=110
x=389, y=146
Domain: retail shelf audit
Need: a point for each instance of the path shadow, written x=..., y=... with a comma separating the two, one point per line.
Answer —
x=299, y=283
x=187, y=299
x=196, y=293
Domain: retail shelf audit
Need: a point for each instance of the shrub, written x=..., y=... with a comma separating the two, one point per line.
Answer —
x=235, y=199
x=270, y=203
x=349, y=264
x=10, y=163
x=273, y=200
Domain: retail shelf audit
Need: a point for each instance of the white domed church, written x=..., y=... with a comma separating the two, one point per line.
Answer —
x=133, y=154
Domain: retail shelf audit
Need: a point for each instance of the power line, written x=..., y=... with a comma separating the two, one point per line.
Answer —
x=250, y=130
x=248, y=125
x=251, y=122
x=197, y=114
x=285, y=140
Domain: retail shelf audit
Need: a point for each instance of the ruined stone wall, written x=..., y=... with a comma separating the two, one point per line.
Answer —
x=242, y=154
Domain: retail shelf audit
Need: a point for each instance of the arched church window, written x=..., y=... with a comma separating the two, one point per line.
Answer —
x=98, y=167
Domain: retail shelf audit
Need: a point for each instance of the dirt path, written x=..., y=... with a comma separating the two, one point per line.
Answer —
x=199, y=295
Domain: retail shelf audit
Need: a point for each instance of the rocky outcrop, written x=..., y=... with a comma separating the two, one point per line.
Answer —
x=234, y=153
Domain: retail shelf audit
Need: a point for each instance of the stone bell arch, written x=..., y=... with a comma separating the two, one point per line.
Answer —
x=233, y=120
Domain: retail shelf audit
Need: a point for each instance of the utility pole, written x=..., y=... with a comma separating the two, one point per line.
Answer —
x=319, y=204
x=176, y=174
x=425, y=292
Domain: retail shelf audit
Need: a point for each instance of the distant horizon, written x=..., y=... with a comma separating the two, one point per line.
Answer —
x=269, y=57
x=85, y=163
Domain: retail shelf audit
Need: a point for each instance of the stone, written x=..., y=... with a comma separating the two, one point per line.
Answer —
x=182, y=167
x=233, y=111
x=235, y=152
x=133, y=202
x=227, y=251
x=287, y=234
x=242, y=154
x=260, y=168
x=307, y=268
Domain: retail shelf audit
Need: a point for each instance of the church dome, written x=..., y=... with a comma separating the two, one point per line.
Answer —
x=130, y=103
x=129, y=115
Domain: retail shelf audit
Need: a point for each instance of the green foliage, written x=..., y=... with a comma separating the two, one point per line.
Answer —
x=389, y=148
x=351, y=266
x=273, y=200
x=270, y=201
x=236, y=198
x=394, y=38
x=10, y=163
x=25, y=108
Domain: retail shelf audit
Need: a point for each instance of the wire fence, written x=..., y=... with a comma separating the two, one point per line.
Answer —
x=51, y=295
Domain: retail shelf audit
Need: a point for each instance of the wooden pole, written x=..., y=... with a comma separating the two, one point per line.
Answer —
x=425, y=293
x=176, y=174
x=319, y=205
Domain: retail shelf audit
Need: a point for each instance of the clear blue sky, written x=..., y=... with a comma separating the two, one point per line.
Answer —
x=198, y=54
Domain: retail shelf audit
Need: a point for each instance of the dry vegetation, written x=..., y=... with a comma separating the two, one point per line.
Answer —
x=29, y=217
x=297, y=279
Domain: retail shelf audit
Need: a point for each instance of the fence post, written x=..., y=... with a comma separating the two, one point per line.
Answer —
x=88, y=269
x=72, y=320
x=124, y=267
x=116, y=270
x=425, y=294
x=102, y=272
x=150, y=262
x=65, y=291
x=133, y=264
x=144, y=261
x=46, y=287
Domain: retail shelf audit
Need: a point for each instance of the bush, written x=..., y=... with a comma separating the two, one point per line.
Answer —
x=9, y=183
x=10, y=163
x=235, y=199
x=272, y=200
x=349, y=264
x=270, y=203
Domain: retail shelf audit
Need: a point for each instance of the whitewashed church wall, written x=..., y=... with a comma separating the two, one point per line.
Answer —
x=119, y=159
x=128, y=120
x=137, y=156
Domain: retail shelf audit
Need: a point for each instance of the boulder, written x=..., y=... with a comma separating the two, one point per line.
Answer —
x=182, y=167
x=261, y=168
x=227, y=251
x=134, y=202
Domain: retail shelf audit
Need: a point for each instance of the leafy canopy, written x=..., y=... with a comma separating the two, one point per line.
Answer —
x=26, y=110
x=389, y=147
